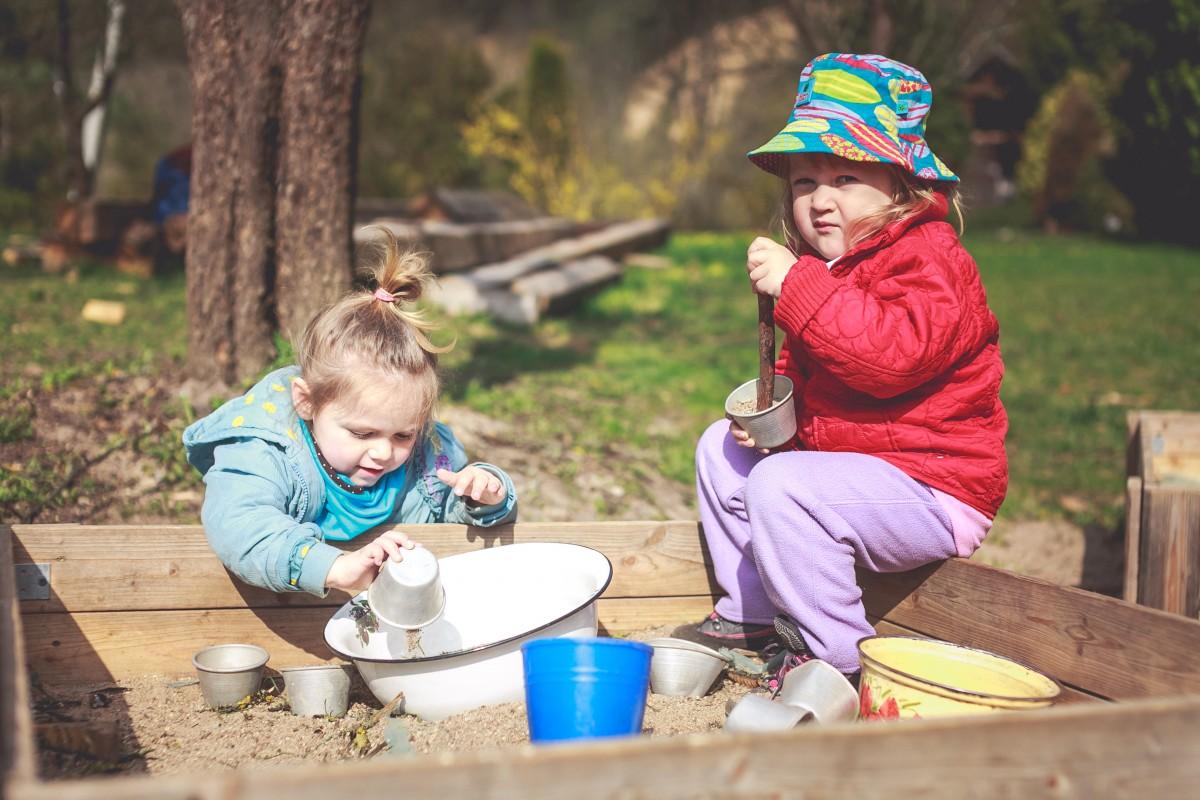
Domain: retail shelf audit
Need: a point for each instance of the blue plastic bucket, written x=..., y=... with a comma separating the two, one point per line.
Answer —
x=585, y=688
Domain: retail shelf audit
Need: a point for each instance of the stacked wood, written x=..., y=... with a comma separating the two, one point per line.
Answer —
x=20, y=249
x=137, y=249
x=463, y=206
x=456, y=246
x=99, y=222
x=103, y=228
x=521, y=288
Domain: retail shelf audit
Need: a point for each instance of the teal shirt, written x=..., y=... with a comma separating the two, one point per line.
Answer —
x=347, y=514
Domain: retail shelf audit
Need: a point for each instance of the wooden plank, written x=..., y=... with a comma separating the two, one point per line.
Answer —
x=142, y=567
x=16, y=723
x=457, y=246
x=1069, y=693
x=1144, y=749
x=1101, y=644
x=115, y=645
x=614, y=240
x=1133, y=536
x=1169, y=572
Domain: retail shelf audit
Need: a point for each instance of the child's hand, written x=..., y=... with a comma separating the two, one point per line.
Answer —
x=742, y=438
x=476, y=483
x=355, y=571
x=768, y=263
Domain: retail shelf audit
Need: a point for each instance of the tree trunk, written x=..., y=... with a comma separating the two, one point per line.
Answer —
x=230, y=252
x=269, y=218
x=322, y=48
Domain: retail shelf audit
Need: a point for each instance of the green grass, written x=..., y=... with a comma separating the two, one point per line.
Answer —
x=45, y=344
x=1089, y=329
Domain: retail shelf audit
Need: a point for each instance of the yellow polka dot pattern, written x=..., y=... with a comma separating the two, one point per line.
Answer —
x=845, y=149
x=238, y=421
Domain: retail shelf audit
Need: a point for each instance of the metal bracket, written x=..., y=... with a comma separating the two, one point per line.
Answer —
x=33, y=581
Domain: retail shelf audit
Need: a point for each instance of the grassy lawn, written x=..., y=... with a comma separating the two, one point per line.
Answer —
x=1089, y=329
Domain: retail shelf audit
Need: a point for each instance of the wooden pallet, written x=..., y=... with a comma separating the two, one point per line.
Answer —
x=130, y=600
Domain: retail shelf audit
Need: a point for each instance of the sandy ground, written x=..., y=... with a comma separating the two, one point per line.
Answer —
x=159, y=725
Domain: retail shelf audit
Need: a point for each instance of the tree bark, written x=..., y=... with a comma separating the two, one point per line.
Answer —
x=230, y=252
x=269, y=218
x=322, y=49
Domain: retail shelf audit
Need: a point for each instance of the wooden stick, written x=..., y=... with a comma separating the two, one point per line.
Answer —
x=766, y=351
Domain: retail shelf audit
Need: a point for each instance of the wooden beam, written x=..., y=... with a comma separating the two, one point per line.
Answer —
x=16, y=723
x=1105, y=645
x=116, y=645
x=1144, y=749
x=1133, y=537
x=143, y=567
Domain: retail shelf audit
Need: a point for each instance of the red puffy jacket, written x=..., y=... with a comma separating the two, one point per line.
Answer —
x=895, y=353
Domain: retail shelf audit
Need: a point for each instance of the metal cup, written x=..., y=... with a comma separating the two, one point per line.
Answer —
x=408, y=593
x=756, y=713
x=229, y=672
x=820, y=691
x=774, y=425
x=683, y=668
x=320, y=691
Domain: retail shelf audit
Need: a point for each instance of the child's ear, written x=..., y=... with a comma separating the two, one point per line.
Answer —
x=301, y=399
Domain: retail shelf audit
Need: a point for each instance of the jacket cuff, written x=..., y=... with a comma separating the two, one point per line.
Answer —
x=315, y=567
x=495, y=514
x=805, y=289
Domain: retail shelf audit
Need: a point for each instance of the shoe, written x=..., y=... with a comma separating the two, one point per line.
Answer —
x=775, y=670
x=747, y=635
x=789, y=633
x=793, y=653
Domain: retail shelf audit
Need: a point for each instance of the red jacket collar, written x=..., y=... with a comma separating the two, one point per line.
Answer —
x=936, y=210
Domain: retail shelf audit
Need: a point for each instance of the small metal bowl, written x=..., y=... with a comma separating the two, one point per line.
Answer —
x=683, y=668
x=408, y=593
x=228, y=673
x=318, y=691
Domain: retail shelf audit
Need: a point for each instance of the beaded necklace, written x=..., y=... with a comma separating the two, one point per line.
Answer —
x=338, y=480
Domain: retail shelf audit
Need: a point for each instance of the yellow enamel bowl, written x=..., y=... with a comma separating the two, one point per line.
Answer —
x=906, y=676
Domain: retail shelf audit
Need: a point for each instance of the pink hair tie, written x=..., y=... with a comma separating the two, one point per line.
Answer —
x=384, y=295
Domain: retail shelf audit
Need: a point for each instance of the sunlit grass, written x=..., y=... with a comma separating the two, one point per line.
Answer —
x=1089, y=330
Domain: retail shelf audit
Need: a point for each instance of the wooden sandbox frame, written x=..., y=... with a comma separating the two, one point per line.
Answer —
x=130, y=600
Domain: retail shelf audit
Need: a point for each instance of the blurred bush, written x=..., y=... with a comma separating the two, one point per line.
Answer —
x=1061, y=167
x=1158, y=111
x=417, y=93
x=528, y=140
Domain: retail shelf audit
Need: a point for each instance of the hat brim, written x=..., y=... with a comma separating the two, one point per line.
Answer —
x=854, y=141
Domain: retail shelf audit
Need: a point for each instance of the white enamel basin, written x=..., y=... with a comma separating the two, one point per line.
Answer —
x=496, y=600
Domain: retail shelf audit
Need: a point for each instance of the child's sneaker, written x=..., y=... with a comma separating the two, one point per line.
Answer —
x=746, y=635
x=794, y=653
x=789, y=633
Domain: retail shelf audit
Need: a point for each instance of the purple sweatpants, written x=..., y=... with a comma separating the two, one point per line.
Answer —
x=786, y=530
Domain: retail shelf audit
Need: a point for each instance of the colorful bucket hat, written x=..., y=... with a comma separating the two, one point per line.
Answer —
x=859, y=107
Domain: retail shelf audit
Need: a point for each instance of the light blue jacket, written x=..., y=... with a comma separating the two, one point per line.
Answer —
x=264, y=488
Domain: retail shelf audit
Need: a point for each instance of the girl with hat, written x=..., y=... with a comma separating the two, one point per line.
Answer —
x=899, y=454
